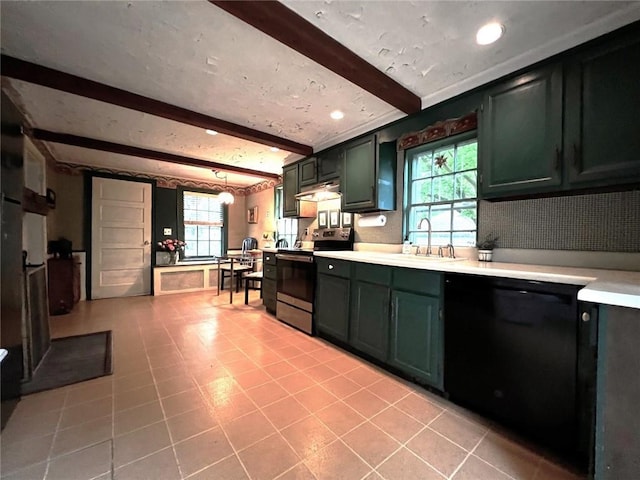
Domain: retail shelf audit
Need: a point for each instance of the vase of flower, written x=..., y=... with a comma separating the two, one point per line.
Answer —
x=174, y=247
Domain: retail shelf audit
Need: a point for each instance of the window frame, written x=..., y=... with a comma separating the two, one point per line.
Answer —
x=279, y=216
x=408, y=180
x=225, y=218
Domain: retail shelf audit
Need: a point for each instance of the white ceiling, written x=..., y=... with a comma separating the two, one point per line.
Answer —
x=196, y=56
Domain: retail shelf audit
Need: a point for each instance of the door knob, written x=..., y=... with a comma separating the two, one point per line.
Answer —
x=146, y=242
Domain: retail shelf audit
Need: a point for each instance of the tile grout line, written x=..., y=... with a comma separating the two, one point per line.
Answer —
x=469, y=453
x=164, y=413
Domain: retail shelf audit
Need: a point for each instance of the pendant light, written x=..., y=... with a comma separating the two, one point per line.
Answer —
x=224, y=197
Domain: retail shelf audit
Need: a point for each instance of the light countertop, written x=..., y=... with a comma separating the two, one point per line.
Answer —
x=611, y=287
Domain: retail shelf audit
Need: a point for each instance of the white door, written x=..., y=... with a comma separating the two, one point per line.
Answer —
x=120, y=238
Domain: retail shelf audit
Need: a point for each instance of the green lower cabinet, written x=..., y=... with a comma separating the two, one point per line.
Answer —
x=416, y=345
x=369, y=328
x=332, y=306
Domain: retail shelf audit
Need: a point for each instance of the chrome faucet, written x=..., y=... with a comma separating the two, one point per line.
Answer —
x=451, y=253
x=428, y=239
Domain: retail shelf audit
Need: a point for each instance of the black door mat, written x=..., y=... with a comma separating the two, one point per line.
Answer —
x=72, y=360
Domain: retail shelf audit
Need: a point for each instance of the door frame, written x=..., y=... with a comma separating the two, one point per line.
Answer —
x=88, y=219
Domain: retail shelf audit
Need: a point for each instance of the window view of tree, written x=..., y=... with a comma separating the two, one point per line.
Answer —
x=442, y=187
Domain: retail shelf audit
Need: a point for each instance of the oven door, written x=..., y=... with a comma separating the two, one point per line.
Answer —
x=296, y=278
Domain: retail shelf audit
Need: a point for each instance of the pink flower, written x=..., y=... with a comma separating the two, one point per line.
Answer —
x=171, y=245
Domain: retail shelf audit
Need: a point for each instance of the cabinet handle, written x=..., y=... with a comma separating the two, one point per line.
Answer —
x=330, y=267
x=393, y=310
x=586, y=317
x=558, y=159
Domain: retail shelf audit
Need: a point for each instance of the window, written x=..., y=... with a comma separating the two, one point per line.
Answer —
x=286, y=228
x=442, y=187
x=203, y=218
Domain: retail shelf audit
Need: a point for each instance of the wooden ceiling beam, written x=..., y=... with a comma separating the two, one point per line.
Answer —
x=289, y=28
x=48, y=77
x=94, y=144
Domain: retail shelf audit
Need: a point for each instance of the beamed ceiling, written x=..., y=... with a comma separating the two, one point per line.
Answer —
x=133, y=85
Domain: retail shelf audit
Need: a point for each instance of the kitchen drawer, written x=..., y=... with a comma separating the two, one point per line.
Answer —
x=269, y=258
x=269, y=271
x=419, y=281
x=331, y=266
x=378, y=274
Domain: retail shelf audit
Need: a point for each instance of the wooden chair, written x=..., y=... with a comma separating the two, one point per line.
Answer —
x=251, y=277
x=243, y=264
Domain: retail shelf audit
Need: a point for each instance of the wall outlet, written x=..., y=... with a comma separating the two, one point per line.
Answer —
x=167, y=231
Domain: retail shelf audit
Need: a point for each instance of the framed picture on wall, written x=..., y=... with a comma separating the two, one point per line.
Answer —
x=252, y=215
x=347, y=219
x=323, y=219
x=334, y=218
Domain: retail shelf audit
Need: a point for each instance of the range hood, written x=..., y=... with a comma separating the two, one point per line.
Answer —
x=318, y=193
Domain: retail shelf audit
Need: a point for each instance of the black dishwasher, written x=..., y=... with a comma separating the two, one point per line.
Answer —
x=523, y=353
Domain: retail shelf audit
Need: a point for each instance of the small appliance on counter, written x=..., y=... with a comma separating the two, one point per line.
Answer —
x=296, y=276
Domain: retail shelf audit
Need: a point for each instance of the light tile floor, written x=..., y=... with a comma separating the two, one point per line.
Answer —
x=206, y=390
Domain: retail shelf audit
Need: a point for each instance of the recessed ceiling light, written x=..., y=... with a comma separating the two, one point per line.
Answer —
x=211, y=132
x=274, y=149
x=489, y=33
x=337, y=115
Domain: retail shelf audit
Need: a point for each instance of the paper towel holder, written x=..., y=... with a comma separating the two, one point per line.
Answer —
x=374, y=220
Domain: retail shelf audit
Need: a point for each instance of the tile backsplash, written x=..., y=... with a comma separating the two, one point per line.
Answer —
x=605, y=222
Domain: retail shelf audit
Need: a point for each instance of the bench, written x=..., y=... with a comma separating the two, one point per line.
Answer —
x=251, y=277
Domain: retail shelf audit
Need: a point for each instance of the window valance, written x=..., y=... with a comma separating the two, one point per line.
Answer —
x=439, y=130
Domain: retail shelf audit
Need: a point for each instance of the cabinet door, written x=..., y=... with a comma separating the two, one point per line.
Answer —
x=521, y=135
x=369, y=328
x=359, y=179
x=416, y=336
x=307, y=172
x=290, y=189
x=332, y=306
x=602, y=141
x=330, y=165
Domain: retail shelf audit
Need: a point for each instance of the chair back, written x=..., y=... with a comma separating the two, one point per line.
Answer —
x=246, y=259
x=249, y=243
x=282, y=243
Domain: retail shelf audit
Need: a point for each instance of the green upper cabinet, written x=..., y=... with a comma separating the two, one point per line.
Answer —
x=330, y=164
x=602, y=137
x=307, y=172
x=521, y=134
x=416, y=343
x=368, y=182
x=290, y=206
